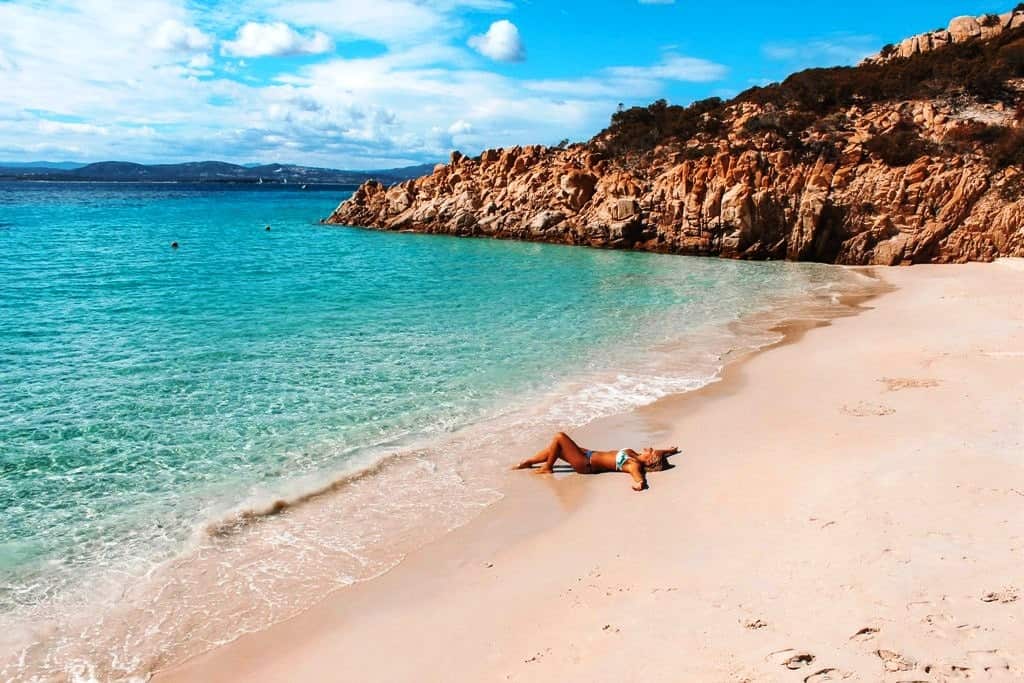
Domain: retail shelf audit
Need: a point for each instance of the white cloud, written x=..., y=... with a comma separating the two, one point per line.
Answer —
x=87, y=65
x=674, y=68
x=392, y=22
x=460, y=127
x=100, y=81
x=830, y=51
x=501, y=42
x=420, y=104
x=274, y=39
x=49, y=127
x=630, y=82
x=172, y=35
x=200, y=62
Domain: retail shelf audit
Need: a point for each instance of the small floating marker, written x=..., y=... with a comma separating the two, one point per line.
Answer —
x=174, y=245
x=267, y=228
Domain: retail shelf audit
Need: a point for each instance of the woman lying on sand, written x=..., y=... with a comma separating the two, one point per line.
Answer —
x=585, y=461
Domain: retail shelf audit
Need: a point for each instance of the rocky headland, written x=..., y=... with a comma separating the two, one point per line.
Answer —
x=914, y=156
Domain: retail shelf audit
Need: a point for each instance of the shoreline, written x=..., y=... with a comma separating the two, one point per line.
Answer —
x=525, y=555
x=641, y=424
x=195, y=583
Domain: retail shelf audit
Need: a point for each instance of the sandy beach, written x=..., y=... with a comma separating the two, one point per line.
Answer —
x=847, y=507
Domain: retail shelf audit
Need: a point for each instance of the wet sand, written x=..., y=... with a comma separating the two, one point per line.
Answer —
x=847, y=507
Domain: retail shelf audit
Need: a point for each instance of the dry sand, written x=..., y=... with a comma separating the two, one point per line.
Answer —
x=848, y=507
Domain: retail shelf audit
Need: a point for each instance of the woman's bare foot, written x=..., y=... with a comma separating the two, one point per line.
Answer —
x=544, y=469
x=524, y=465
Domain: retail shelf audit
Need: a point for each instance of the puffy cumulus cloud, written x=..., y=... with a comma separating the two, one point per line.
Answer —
x=460, y=127
x=274, y=39
x=172, y=35
x=501, y=43
x=91, y=81
x=80, y=66
x=92, y=59
x=419, y=104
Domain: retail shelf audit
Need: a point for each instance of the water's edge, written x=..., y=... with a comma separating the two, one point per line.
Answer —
x=202, y=442
x=789, y=329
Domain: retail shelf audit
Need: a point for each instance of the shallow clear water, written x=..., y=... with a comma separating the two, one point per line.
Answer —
x=147, y=391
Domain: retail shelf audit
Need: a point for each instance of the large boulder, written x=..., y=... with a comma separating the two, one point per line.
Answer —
x=578, y=188
x=623, y=208
x=962, y=29
x=544, y=221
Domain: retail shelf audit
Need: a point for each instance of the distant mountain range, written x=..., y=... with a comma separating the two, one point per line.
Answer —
x=203, y=172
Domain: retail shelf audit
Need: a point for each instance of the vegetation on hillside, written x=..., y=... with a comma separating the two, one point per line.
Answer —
x=815, y=99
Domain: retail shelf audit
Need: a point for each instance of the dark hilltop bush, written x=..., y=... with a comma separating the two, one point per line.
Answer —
x=1008, y=148
x=1003, y=145
x=1012, y=56
x=785, y=125
x=642, y=128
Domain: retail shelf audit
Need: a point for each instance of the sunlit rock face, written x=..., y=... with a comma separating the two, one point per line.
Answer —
x=748, y=191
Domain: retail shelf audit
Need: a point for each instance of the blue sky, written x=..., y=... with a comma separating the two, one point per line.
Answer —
x=378, y=83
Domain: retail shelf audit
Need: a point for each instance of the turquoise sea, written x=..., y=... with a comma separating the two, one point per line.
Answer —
x=159, y=406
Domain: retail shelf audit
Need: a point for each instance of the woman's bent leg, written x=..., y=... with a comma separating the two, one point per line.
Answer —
x=565, y=448
x=560, y=447
x=539, y=459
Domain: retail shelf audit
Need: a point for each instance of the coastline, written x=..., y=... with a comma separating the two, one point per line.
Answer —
x=830, y=489
x=245, y=567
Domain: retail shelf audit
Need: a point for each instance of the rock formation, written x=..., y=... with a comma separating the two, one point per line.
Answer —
x=960, y=30
x=741, y=193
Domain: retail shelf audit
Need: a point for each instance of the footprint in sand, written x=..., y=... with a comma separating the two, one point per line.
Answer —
x=1005, y=596
x=894, y=661
x=866, y=409
x=945, y=626
x=865, y=634
x=900, y=383
x=827, y=675
x=790, y=658
x=989, y=660
x=938, y=624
